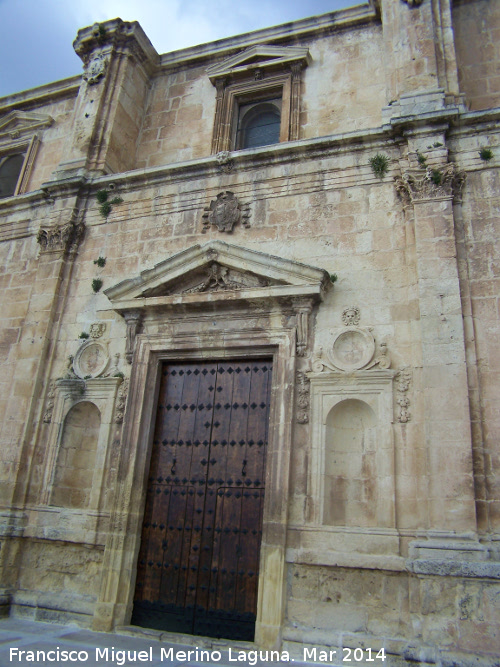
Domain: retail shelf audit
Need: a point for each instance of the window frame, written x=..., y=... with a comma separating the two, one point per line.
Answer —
x=29, y=147
x=253, y=75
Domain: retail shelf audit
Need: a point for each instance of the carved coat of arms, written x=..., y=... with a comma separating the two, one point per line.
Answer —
x=95, y=68
x=224, y=212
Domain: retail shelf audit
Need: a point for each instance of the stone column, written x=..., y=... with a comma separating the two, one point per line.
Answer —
x=429, y=193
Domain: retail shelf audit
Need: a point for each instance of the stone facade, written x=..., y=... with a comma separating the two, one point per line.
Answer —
x=360, y=252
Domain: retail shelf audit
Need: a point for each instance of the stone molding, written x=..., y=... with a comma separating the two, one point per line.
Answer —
x=453, y=568
x=261, y=57
x=184, y=342
x=375, y=389
x=248, y=75
x=417, y=185
x=197, y=278
x=68, y=392
x=17, y=124
x=114, y=35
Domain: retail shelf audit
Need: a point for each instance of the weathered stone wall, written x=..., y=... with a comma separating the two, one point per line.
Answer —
x=407, y=615
x=370, y=542
x=477, y=37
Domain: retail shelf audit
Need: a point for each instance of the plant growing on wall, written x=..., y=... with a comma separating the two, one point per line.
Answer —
x=486, y=154
x=422, y=160
x=436, y=177
x=96, y=284
x=379, y=164
x=83, y=335
x=100, y=261
x=106, y=204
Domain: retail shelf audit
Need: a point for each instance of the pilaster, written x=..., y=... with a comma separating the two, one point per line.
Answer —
x=118, y=61
x=429, y=191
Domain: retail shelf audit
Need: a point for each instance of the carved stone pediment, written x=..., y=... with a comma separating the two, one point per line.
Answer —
x=215, y=270
x=19, y=124
x=259, y=57
x=217, y=274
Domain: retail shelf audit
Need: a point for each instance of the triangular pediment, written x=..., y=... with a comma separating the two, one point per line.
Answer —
x=259, y=57
x=218, y=270
x=20, y=123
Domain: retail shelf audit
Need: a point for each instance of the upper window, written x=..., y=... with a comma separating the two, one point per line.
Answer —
x=10, y=170
x=258, y=97
x=258, y=124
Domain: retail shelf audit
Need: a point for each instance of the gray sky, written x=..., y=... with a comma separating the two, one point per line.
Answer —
x=36, y=36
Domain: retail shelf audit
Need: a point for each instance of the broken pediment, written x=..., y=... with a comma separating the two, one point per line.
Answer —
x=17, y=124
x=218, y=271
x=259, y=57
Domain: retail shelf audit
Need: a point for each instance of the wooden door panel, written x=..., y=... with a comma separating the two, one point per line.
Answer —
x=199, y=556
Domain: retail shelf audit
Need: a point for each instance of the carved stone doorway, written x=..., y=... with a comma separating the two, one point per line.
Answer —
x=199, y=558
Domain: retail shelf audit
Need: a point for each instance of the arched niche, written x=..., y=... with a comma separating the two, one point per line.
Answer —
x=76, y=458
x=350, y=476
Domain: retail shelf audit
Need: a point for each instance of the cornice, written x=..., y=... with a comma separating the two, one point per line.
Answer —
x=286, y=32
x=36, y=97
x=250, y=159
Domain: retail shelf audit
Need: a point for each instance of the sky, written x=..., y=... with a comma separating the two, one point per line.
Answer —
x=36, y=36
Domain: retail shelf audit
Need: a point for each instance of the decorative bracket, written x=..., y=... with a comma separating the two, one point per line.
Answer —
x=133, y=318
x=303, y=309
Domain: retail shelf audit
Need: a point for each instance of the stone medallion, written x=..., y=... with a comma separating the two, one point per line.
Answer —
x=91, y=360
x=353, y=349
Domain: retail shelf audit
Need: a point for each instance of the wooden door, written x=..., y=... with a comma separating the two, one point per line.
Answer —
x=199, y=558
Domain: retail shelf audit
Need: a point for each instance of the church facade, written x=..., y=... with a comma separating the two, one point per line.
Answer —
x=250, y=339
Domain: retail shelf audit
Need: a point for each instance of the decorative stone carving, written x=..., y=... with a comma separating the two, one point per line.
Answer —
x=225, y=212
x=133, y=318
x=351, y=316
x=49, y=408
x=95, y=68
x=303, y=397
x=91, y=360
x=403, y=379
x=60, y=238
x=121, y=402
x=303, y=309
x=352, y=349
x=224, y=161
x=97, y=329
x=218, y=278
x=434, y=183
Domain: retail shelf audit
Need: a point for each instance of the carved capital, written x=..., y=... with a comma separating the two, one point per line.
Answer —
x=434, y=183
x=133, y=318
x=60, y=238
